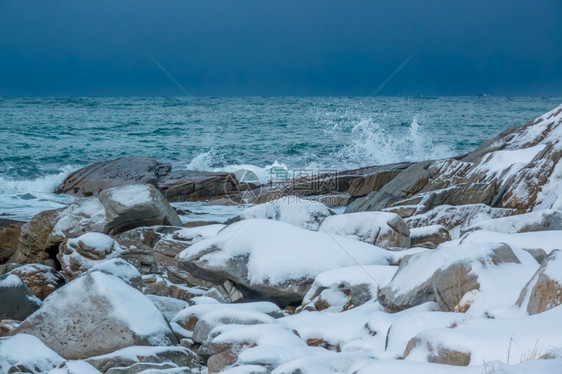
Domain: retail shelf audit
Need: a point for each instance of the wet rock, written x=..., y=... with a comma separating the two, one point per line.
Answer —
x=92, y=179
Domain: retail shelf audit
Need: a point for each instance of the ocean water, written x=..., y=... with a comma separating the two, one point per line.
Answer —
x=43, y=139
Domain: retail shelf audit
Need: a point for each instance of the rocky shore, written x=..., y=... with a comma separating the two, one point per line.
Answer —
x=443, y=266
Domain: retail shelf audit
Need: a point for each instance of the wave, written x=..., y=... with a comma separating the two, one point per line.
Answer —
x=45, y=184
x=373, y=144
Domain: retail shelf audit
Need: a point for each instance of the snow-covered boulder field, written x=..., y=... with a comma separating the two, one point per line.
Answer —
x=447, y=266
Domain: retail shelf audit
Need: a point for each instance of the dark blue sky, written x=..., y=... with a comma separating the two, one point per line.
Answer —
x=266, y=47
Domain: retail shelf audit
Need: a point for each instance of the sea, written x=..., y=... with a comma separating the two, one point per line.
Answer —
x=43, y=139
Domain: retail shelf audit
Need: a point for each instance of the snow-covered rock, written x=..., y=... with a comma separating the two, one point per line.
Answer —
x=347, y=287
x=290, y=209
x=429, y=236
x=78, y=255
x=189, y=317
x=74, y=367
x=544, y=290
x=84, y=215
x=26, y=354
x=275, y=260
x=382, y=229
x=101, y=314
x=449, y=272
x=541, y=220
x=16, y=299
x=42, y=280
x=227, y=316
x=136, y=359
x=481, y=340
x=136, y=205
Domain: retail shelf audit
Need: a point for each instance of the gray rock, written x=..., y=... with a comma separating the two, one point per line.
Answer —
x=169, y=306
x=16, y=299
x=134, y=206
x=101, y=314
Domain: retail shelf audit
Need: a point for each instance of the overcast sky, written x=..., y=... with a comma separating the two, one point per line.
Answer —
x=267, y=47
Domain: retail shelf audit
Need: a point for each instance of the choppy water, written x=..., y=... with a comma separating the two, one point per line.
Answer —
x=42, y=139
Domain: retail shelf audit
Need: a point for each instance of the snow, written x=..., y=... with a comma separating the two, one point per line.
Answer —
x=425, y=231
x=131, y=195
x=15, y=352
x=278, y=251
x=195, y=234
x=201, y=310
x=290, y=209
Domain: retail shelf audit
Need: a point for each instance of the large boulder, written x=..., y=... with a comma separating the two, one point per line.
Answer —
x=444, y=275
x=101, y=314
x=374, y=178
x=135, y=206
x=290, y=209
x=26, y=354
x=378, y=228
x=275, y=260
x=17, y=301
x=42, y=280
x=92, y=179
x=544, y=289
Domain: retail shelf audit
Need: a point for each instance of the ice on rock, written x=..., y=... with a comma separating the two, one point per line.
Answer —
x=290, y=209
